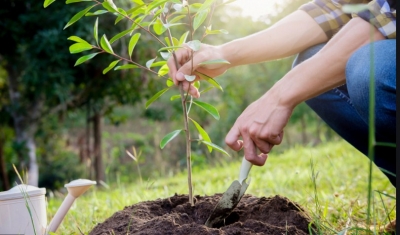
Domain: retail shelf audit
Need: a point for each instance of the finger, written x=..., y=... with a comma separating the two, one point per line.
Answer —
x=250, y=152
x=193, y=91
x=232, y=139
x=172, y=68
x=275, y=139
x=179, y=57
x=263, y=145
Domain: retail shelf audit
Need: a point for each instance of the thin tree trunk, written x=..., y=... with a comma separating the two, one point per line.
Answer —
x=98, y=161
x=3, y=169
x=24, y=127
x=33, y=170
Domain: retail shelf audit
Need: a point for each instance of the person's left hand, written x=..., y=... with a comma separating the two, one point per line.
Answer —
x=261, y=127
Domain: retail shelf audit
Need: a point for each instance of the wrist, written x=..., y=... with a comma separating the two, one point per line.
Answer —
x=283, y=94
x=230, y=53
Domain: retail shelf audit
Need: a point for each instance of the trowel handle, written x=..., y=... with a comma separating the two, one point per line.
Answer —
x=244, y=169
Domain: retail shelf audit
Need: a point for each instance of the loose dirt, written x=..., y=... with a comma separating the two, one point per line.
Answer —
x=174, y=216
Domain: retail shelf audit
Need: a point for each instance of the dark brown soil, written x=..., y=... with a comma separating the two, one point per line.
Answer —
x=274, y=215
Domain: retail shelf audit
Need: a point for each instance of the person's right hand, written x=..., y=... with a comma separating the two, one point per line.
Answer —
x=187, y=66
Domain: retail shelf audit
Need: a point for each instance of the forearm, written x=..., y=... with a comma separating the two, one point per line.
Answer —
x=293, y=34
x=326, y=69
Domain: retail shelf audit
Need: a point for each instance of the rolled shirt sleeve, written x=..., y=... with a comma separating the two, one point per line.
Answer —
x=382, y=14
x=330, y=17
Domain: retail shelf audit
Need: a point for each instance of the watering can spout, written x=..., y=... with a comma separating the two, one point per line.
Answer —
x=75, y=189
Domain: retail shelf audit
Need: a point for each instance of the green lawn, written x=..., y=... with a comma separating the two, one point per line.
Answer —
x=341, y=186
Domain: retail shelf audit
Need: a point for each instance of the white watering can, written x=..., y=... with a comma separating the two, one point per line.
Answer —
x=16, y=218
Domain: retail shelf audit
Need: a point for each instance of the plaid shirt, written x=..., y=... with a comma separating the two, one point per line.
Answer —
x=329, y=15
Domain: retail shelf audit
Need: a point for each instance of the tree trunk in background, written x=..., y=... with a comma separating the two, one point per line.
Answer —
x=98, y=161
x=24, y=127
x=3, y=169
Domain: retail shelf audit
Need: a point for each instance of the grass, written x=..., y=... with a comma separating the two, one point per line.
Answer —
x=330, y=181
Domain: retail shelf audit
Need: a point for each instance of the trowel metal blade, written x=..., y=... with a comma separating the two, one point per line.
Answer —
x=243, y=189
x=226, y=203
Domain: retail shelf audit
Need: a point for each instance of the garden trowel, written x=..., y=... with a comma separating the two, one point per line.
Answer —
x=231, y=197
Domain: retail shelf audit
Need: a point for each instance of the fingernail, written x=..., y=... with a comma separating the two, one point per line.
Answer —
x=180, y=76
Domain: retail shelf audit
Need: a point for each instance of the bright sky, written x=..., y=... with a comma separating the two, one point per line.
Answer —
x=255, y=8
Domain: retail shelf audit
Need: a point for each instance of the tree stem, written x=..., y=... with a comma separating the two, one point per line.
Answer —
x=186, y=123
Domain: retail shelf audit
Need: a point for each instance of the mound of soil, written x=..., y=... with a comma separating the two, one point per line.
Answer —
x=274, y=215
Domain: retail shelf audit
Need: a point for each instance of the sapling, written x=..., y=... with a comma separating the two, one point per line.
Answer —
x=135, y=156
x=157, y=19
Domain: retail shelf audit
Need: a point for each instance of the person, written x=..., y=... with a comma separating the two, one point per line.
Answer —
x=331, y=73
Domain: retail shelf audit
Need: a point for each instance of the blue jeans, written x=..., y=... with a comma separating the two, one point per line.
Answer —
x=346, y=108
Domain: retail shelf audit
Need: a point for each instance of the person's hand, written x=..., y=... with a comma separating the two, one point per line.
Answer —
x=192, y=67
x=261, y=127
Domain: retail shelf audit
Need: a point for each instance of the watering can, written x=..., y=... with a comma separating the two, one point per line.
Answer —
x=23, y=208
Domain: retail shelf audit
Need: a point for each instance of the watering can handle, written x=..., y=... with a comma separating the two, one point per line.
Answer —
x=244, y=170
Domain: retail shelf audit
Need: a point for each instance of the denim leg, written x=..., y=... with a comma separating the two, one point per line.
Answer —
x=345, y=108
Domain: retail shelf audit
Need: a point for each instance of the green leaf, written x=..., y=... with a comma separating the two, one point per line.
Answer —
x=132, y=43
x=169, y=25
x=174, y=40
x=216, y=147
x=219, y=31
x=207, y=89
x=85, y=58
x=109, y=7
x=126, y=66
x=197, y=84
x=79, y=47
x=138, y=2
x=122, y=12
x=163, y=70
x=194, y=45
x=167, y=41
x=169, y=48
x=177, y=18
x=154, y=4
x=158, y=63
x=77, y=16
x=95, y=30
x=168, y=138
x=209, y=80
x=110, y=66
x=199, y=19
x=106, y=45
x=209, y=108
x=203, y=134
x=206, y=4
x=156, y=96
x=169, y=82
x=190, y=78
x=182, y=40
x=217, y=61
x=150, y=62
x=120, y=35
x=96, y=13
x=47, y=3
x=77, y=39
x=174, y=97
x=74, y=1
x=158, y=27
x=118, y=19
x=165, y=55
